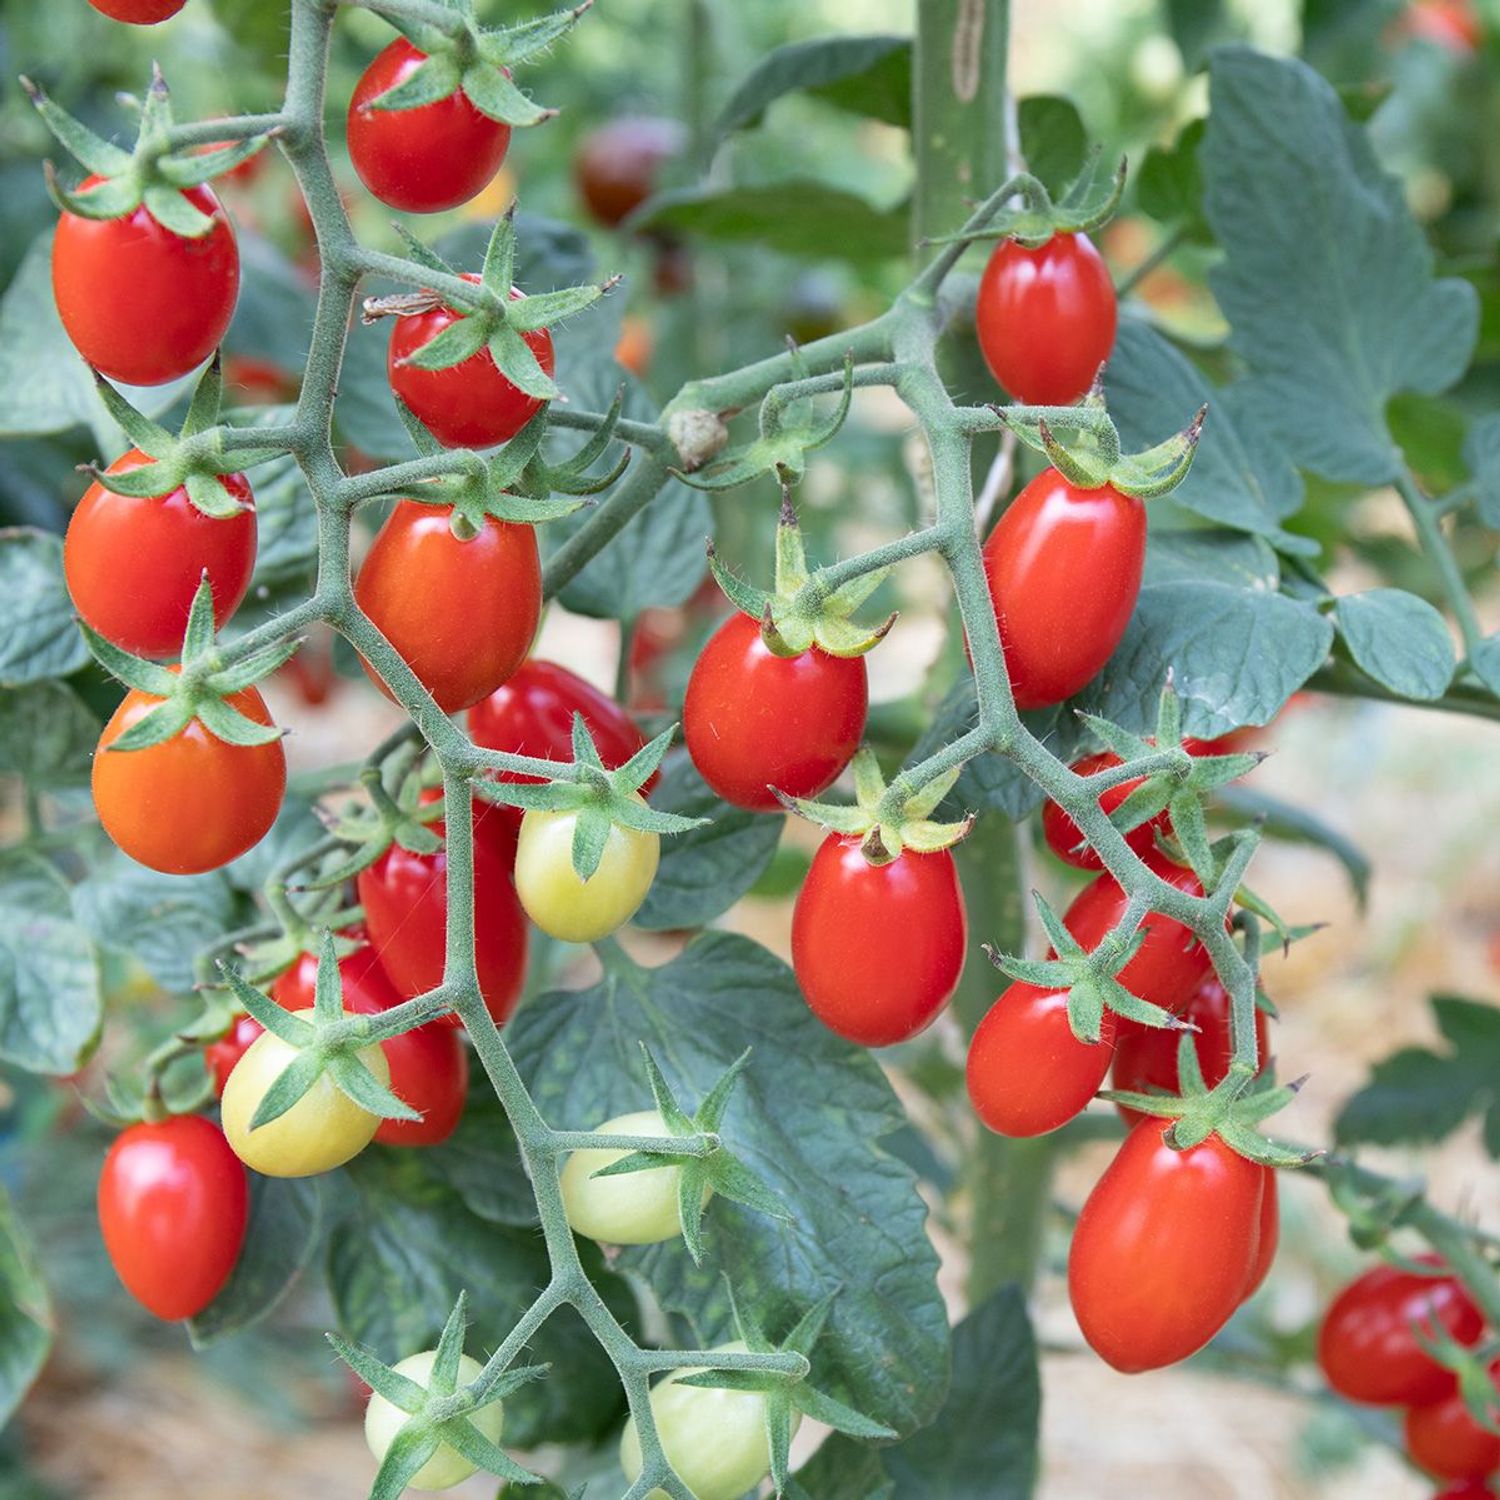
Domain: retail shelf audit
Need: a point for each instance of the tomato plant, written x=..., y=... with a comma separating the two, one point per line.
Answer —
x=141, y=302
x=133, y=565
x=447, y=1467
x=172, y=1208
x=1045, y=318
x=636, y=1208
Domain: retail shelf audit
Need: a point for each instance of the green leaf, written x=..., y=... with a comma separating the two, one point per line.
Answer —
x=1419, y=1096
x=1241, y=476
x=25, y=1312
x=704, y=871
x=1054, y=143
x=868, y=75
x=38, y=638
x=1327, y=282
x=1236, y=654
x=395, y=1301
x=807, y=1117
x=797, y=216
x=1482, y=455
x=286, y=523
x=47, y=734
x=161, y=920
x=50, y=1004
x=1212, y=555
x=273, y=316
x=282, y=1233
x=480, y=1162
x=1399, y=640
x=1169, y=185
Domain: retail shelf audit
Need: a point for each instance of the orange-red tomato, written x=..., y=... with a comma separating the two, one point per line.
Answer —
x=193, y=802
x=1443, y=1438
x=461, y=613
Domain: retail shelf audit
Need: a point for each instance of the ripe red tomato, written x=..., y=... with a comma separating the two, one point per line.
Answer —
x=1165, y=1248
x=1268, y=1237
x=470, y=404
x=618, y=164
x=532, y=714
x=1028, y=1073
x=426, y=159
x=429, y=1066
x=461, y=613
x=405, y=898
x=1045, y=318
x=193, y=802
x=1146, y=1056
x=1443, y=1438
x=138, y=12
x=1368, y=1345
x=753, y=720
x=878, y=948
x=1468, y=1489
x=173, y=1201
x=141, y=303
x=1171, y=963
x=1064, y=570
x=133, y=566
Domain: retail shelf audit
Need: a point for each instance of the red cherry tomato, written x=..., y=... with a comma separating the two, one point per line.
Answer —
x=138, y=12
x=1045, y=318
x=1368, y=1344
x=470, y=404
x=618, y=164
x=1165, y=1248
x=1171, y=963
x=193, y=802
x=1028, y=1073
x=878, y=948
x=1064, y=570
x=1468, y=1489
x=1268, y=1237
x=426, y=159
x=1443, y=1438
x=141, y=303
x=1146, y=1056
x=532, y=714
x=429, y=1066
x=133, y=566
x=405, y=897
x=461, y=613
x=754, y=720
x=173, y=1201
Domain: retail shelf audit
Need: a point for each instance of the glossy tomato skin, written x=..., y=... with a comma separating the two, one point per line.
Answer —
x=1443, y=1438
x=138, y=12
x=1171, y=963
x=1368, y=1344
x=405, y=899
x=461, y=613
x=1146, y=1056
x=426, y=159
x=470, y=404
x=1268, y=1238
x=618, y=164
x=1046, y=318
x=1064, y=569
x=754, y=720
x=193, y=802
x=141, y=303
x=133, y=566
x=173, y=1203
x=1063, y=835
x=532, y=714
x=878, y=949
x=637, y=1208
x=1165, y=1248
x=1027, y=1073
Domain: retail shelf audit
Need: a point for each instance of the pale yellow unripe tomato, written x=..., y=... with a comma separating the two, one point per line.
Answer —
x=582, y=911
x=384, y=1419
x=716, y=1440
x=635, y=1208
x=322, y=1130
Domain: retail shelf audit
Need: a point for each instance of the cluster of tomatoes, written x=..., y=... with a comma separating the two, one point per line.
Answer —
x=1376, y=1346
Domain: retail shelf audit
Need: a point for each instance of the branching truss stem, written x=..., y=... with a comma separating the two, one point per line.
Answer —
x=897, y=349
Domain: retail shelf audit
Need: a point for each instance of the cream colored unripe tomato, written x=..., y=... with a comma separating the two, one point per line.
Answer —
x=716, y=1440
x=581, y=911
x=635, y=1208
x=384, y=1419
x=322, y=1130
